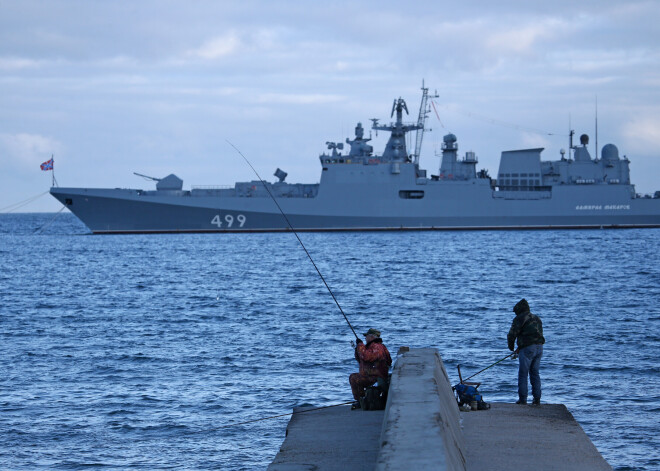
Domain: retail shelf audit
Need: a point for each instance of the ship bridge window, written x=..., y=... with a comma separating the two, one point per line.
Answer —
x=411, y=194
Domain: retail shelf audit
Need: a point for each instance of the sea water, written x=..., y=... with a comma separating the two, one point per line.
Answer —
x=141, y=351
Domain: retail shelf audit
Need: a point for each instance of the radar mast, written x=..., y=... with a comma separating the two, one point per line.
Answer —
x=424, y=110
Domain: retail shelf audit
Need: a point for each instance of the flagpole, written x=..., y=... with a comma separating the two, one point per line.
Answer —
x=50, y=166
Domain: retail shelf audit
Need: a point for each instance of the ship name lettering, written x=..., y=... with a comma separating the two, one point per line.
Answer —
x=599, y=207
x=229, y=219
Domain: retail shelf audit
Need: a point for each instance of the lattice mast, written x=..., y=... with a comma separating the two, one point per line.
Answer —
x=424, y=110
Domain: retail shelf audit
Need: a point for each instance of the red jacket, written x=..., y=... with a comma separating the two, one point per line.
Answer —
x=374, y=358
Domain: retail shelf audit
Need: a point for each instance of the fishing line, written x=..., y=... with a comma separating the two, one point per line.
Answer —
x=296, y=234
x=512, y=353
x=275, y=416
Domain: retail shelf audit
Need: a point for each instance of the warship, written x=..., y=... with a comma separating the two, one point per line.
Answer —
x=363, y=191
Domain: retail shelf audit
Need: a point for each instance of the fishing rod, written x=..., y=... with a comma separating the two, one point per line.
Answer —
x=481, y=371
x=296, y=234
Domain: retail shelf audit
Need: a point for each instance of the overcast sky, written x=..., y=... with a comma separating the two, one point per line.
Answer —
x=157, y=87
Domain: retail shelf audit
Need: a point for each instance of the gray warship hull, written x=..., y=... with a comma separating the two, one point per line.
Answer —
x=361, y=191
x=444, y=206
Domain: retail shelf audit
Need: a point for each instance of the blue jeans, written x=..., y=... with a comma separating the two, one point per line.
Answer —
x=529, y=361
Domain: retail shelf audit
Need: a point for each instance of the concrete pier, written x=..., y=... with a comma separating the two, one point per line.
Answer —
x=335, y=439
x=510, y=436
x=421, y=422
x=422, y=428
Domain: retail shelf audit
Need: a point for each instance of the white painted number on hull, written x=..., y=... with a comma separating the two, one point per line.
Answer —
x=229, y=220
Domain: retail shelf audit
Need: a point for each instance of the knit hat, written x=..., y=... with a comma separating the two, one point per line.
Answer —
x=521, y=306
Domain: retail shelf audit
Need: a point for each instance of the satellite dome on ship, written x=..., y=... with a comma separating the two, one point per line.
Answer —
x=610, y=152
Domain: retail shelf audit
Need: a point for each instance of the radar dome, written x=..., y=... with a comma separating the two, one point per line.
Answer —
x=609, y=152
x=584, y=139
x=450, y=138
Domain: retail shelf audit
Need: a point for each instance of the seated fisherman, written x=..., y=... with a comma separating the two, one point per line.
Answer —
x=374, y=360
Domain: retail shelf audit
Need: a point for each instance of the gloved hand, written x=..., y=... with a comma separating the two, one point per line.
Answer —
x=359, y=341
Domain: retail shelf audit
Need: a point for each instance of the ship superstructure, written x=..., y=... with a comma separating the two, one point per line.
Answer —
x=361, y=190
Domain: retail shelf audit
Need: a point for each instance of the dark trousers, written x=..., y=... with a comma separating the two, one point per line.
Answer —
x=359, y=383
x=529, y=361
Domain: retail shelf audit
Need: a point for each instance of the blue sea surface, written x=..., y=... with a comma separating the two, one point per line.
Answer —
x=141, y=351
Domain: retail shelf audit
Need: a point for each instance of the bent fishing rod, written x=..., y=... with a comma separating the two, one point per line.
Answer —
x=297, y=237
x=481, y=371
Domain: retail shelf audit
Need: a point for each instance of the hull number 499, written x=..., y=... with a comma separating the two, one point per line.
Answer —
x=228, y=220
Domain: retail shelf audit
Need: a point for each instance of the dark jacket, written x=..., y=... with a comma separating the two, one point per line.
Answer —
x=526, y=327
x=374, y=358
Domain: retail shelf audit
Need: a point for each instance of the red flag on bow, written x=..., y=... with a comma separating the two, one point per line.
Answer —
x=48, y=164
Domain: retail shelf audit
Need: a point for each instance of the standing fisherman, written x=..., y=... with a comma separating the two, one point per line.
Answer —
x=527, y=329
x=375, y=362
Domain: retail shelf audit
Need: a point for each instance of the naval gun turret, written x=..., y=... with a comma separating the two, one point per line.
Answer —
x=169, y=183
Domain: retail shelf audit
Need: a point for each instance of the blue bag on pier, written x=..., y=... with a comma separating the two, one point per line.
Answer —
x=466, y=394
